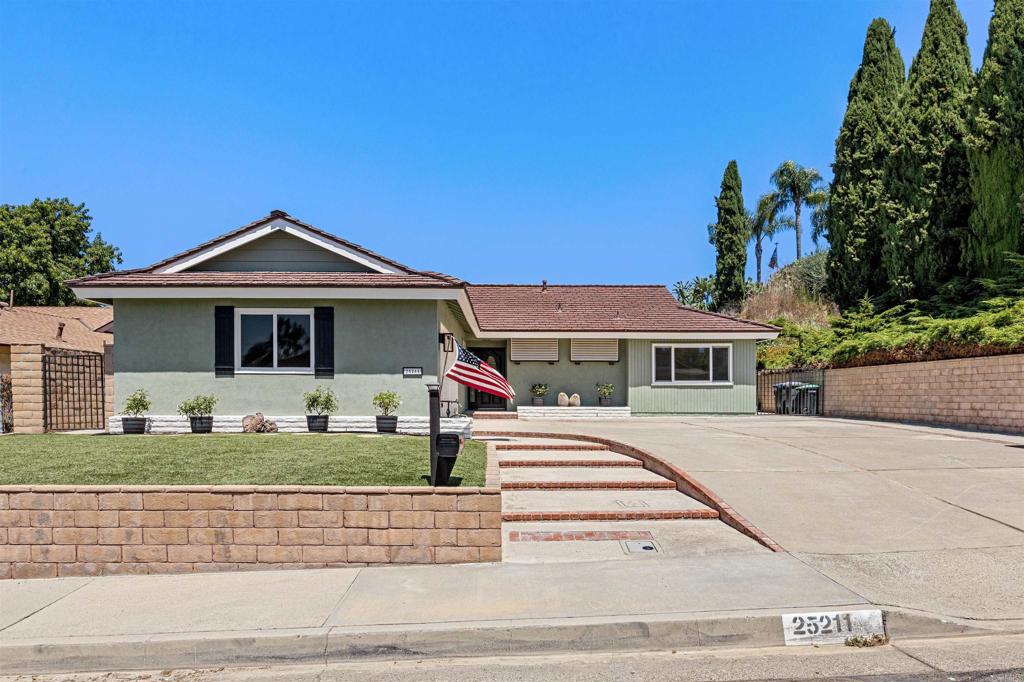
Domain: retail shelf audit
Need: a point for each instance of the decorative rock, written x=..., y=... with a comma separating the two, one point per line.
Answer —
x=257, y=423
x=563, y=400
x=574, y=400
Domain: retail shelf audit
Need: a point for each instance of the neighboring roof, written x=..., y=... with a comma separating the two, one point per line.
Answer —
x=41, y=324
x=149, y=276
x=593, y=308
x=261, y=279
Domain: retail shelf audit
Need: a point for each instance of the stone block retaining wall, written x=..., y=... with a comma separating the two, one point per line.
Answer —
x=50, y=531
x=986, y=393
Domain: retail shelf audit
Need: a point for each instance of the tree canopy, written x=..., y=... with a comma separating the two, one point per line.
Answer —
x=858, y=191
x=729, y=236
x=46, y=242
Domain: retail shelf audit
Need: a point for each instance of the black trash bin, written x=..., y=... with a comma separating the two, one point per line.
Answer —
x=449, y=446
x=786, y=397
x=809, y=398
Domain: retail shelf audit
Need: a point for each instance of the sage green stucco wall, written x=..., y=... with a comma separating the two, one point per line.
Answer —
x=280, y=252
x=739, y=398
x=166, y=347
x=569, y=377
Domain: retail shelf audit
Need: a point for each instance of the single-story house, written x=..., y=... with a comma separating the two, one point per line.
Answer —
x=264, y=313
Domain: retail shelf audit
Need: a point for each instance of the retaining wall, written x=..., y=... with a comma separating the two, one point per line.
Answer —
x=985, y=394
x=50, y=531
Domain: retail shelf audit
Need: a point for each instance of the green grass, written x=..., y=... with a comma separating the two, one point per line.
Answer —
x=211, y=459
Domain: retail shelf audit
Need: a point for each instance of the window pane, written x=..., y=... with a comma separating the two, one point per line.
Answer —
x=257, y=343
x=293, y=340
x=663, y=364
x=720, y=366
x=692, y=364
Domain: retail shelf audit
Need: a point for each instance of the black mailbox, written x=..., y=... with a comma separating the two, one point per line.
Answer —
x=449, y=447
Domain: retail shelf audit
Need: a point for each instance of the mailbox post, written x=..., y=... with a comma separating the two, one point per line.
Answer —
x=434, y=393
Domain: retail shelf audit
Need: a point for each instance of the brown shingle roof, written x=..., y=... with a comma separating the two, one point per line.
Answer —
x=40, y=324
x=594, y=308
x=261, y=279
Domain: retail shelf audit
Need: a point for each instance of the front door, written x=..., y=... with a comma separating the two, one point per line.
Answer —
x=479, y=400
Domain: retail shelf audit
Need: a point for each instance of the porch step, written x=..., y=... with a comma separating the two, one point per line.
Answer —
x=636, y=515
x=494, y=415
x=567, y=447
x=572, y=413
x=634, y=477
x=561, y=463
x=594, y=500
x=588, y=485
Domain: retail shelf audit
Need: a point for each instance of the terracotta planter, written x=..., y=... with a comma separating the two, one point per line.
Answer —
x=317, y=423
x=387, y=424
x=133, y=425
x=538, y=401
x=201, y=424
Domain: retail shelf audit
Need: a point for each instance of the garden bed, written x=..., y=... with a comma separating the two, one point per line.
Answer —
x=228, y=459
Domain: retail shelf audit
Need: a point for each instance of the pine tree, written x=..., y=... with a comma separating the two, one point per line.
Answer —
x=996, y=146
x=729, y=236
x=858, y=191
x=929, y=195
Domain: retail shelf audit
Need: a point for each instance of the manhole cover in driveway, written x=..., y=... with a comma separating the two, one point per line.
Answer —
x=632, y=504
x=639, y=547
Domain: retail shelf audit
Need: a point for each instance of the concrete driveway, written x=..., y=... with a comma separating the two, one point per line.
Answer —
x=918, y=517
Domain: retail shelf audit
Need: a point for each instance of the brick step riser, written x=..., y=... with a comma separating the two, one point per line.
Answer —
x=497, y=415
x=569, y=463
x=649, y=515
x=588, y=485
x=551, y=447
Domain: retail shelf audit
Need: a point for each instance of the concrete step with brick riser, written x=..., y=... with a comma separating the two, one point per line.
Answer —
x=558, y=447
x=495, y=415
x=588, y=485
x=644, y=515
x=596, y=500
x=574, y=463
x=587, y=475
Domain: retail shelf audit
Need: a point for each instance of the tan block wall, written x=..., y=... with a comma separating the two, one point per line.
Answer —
x=985, y=394
x=50, y=531
x=27, y=387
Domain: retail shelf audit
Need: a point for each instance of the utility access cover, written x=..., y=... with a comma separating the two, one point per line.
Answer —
x=639, y=547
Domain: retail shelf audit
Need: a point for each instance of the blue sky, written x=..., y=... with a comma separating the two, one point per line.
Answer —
x=497, y=141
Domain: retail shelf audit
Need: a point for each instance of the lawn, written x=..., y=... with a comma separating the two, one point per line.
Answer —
x=210, y=459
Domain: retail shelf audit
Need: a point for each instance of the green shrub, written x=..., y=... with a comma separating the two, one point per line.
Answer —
x=605, y=390
x=137, y=404
x=539, y=390
x=198, y=406
x=320, y=401
x=387, y=402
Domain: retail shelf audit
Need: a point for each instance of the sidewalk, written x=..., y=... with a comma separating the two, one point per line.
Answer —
x=134, y=622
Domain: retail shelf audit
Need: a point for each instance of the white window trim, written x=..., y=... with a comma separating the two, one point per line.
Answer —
x=274, y=312
x=711, y=364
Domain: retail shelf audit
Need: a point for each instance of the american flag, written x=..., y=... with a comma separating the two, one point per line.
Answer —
x=471, y=371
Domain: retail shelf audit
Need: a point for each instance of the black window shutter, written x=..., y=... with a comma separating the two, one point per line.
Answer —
x=224, y=340
x=323, y=350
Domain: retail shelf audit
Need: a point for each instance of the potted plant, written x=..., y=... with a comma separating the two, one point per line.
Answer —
x=135, y=408
x=199, y=410
x=604, y=394
x=320, y=403
x=387, y=402
x=539, y=391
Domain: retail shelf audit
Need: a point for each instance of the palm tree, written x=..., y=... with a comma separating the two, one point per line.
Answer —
x=766, y=221
x=793, y=184
x=819, y=203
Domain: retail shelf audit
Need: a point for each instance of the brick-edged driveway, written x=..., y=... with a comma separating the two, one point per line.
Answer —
x=919, y=517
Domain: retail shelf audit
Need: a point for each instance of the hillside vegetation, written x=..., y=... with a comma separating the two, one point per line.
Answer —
x=964, y=319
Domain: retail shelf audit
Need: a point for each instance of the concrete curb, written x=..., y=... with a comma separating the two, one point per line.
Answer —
x=748, y=629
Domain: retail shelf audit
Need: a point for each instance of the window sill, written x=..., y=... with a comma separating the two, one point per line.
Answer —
x=709, y=384
x=273, y=371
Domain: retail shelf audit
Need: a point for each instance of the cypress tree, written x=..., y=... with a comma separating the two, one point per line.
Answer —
x=729, y=236
x=929, y=193
x=858, y=191
x=996, y=146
